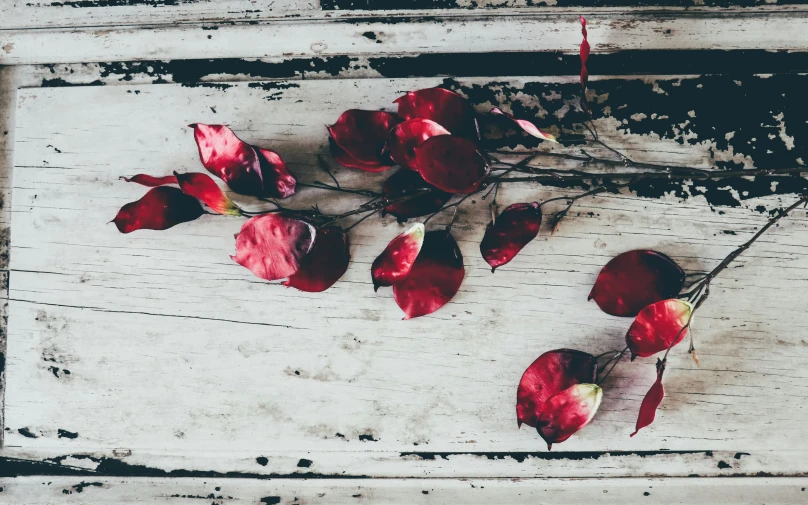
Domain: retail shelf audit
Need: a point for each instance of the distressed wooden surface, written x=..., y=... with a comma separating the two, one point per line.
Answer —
x=64, y=490
x=185, y=361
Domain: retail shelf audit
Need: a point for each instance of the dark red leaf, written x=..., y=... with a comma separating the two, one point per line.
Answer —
x=148, y=180
x=634, y=279
x=406, y=182
x=159, y=209
x=395, y=262
x=434, y=278
x=565, y=413
x=272, y=246
x=452, y=164
x=245, y=169
x=342, y=158
x=584, y=53
x=658, y=327
x=278, y=181
x=361, y=136
x=651, y=401
x=204, y=188
x=551, y=373
x=442, y=106
x=526, y=125
x=514, y=228
x=324, y=264
x=405, y=136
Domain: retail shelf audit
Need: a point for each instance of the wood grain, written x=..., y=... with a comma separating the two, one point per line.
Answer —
x=175, y=351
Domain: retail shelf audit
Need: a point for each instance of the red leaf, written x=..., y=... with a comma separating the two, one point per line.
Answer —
x=452, y=164
x=658, y=327
x=514, y=228
x=634, y=279
x=526, y=125
x=342, y=158
x=408, y=135
x=159, y=209
x=203, y=187
x=406, y=182
x=148, y=180
x=324, y=264
x=442, y=106
x=434, y=278
x=584, y=53
x=272, y=246
x=361, y=135
x=245, y=169
x=651, y=401
x=277, y=179
x=551, y=373
x=395, y=262
x=565, y=413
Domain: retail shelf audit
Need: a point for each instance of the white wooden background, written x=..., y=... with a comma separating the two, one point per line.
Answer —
x=187, y=374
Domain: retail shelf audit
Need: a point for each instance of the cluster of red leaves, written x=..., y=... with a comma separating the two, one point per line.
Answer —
x=640, y=284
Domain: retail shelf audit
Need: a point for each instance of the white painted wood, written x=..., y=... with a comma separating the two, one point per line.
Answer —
x=104, y=491
x=327, y=33
x=176, y=352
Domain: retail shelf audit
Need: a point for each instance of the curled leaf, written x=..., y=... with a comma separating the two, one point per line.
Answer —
x=526, y=125
x=452, y=164
x=324, y=264
x=406, y=182
x=204, y=188
x=442, y=106
x=150, y=181
x=515, y=227
x=584, y=54
x=159, y=209
x=406, y=136
x=658, y=327
x=245, y=169
x=395, y=262
x=435, y=276
x=360, y=136
x=651, y=401
x=551, y=373
x=634, y=279
x=565, y=413
x=272, y=246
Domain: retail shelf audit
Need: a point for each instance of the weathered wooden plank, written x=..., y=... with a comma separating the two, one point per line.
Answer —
x=403, y=32
x=171, y=348
x=39, y=491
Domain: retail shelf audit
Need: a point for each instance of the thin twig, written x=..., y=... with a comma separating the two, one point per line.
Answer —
x=616, y=361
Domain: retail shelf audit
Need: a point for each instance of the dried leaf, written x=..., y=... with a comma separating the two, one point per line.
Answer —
x=150, y=181
x=567, y=412
x=395, y=262
x=651, y=402
x=272, y=246
x=245, y=169
x=406, y=136
x=635, y=279
x=450, y=163
x=159, y=209
x=406, y=182
x=658, y=327
x=435, y=276
x=324, y=264
x=551, y=373
x=526, y=125
x=442, y=106
x=204, y=188
x=510, y=232
x=361, y=136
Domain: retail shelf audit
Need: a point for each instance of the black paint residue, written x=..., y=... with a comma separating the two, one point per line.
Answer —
x=723, y=464
x=304, y=463
x=26, y=433
x=738, y=455
x=80, y=486
x=58, y=82
x=67, y=434
x=458, y=4
x=114, y=3
x=262, y=461
x=368, y=437
x=271, y=500
x=520, y=457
